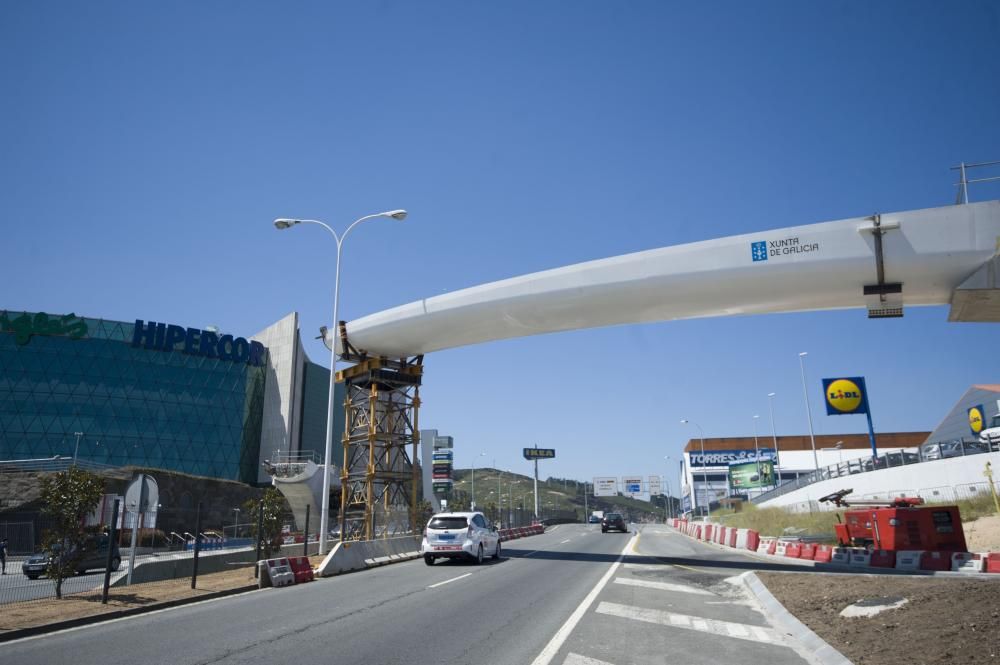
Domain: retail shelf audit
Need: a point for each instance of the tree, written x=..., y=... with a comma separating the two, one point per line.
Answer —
x=273, y=504
x=68, y=497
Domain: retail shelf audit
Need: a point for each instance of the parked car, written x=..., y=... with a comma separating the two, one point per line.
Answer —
x=94, y=554
x=594, y=519
x=460, y=535
x=613, y=521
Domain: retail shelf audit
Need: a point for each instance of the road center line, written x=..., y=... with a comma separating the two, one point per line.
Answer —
x=552, y=648
x=448, y=581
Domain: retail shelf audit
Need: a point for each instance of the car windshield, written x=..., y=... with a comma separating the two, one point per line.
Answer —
x=448, y=523
x=614, y=516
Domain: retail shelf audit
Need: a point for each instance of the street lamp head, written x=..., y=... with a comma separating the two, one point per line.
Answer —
x=282, y=223
x=803, y=354
x=684, y=421
x=398, y=215
x=755, y=417
x=771, y=394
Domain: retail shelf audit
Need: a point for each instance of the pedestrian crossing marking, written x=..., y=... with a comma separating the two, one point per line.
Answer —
x=663, y=586
x=687, y=622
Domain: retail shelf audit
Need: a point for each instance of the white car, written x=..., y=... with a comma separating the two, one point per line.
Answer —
x=459, y=535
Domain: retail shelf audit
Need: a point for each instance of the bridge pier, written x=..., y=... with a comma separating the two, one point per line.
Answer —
x=379, y=479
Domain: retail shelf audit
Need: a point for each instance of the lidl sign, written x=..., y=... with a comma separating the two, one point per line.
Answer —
x=976, y=419
x=845, y=396
x=539, y=453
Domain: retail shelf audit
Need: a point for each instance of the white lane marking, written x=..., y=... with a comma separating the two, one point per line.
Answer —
x=644, y=566
x=552, y=648
x=663, y=586
x=449, y=581
x=577, y=659
x=713, y=626
x=565, y=541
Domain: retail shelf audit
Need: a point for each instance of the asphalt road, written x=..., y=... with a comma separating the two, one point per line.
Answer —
x=571, y=596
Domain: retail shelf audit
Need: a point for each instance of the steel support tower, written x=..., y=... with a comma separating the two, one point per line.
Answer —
x=379, y=479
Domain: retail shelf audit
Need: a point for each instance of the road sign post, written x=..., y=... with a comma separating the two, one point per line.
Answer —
x=536, y=454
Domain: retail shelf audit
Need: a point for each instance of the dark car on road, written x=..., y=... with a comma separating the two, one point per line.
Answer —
x=94, y=554
x=613, y=521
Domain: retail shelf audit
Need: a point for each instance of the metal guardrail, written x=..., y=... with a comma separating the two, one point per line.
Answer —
x=928, y=453
x=51, y=464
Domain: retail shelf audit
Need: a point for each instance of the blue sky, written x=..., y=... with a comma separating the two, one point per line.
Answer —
x=146, y=147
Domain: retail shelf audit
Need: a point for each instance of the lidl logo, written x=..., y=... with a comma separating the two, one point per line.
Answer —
x=845, y=396
x=976, y=419
x=758, y=250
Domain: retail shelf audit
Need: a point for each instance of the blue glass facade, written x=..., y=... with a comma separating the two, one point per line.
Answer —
x=133, y=405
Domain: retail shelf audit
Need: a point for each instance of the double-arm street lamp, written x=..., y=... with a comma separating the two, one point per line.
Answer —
x=474, y=460
x=284, y=223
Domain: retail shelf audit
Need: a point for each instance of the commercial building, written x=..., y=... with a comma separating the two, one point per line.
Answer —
x=158, y=395
x=705, y=479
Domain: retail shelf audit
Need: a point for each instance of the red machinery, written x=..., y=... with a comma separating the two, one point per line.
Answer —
x=903, y=524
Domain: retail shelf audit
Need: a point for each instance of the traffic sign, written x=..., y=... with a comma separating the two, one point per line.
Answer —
x=632, y=485
x=605, y=486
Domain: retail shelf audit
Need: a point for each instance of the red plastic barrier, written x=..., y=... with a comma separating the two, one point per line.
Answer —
x=935, y=561
x=697, y=532
x=720, y=534
x=732, y=537
x=887, y=559
x=753, y=540
x=808, y=551
x=708, y=531
x=793, y=550
x=992, y=562
x=301, y=568
x=824, y=554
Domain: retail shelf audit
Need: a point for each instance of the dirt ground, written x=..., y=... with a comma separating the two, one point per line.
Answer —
x=15, y=616
x=946, y=620
x=983, y=534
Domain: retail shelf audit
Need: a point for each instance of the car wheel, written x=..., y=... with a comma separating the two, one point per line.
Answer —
x=32, y=577
x=604, y=530
x=496, y=555
x=116, y=563
x=479, y=554
x=428, y=559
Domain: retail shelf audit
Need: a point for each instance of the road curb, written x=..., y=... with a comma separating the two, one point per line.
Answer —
x=21, y=633
x=814, y=647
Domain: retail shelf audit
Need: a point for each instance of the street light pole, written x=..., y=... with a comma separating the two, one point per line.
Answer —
x=472, y=505
x=756, y=448
x=77, y=448
x=812, y=435
x=704, y=468
x=667, y=511
x=284, y=223
x=774, y=438
x=236, y=522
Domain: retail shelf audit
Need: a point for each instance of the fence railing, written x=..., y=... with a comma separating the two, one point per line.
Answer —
x=51, y=464
x=928, y=453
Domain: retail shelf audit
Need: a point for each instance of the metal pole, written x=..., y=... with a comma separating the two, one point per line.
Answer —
x=260, y=533
x=774, y=437
x=305, y=537
x=111, y=551
x=131, y=558
x=536, y=487
x=324, y=518
x=77, y=448
x=197, y=546
x=499, y=494
x=472, y=505
x=805, y=392
x=756, y=450
x=586, y=509
x=236, y=521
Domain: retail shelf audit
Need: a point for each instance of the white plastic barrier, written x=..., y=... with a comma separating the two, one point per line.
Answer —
x=764, y=545
x=842, y=555
x=968, y=562
x=741, y=538
x=908, y=559
x=780, y=549
x=279, y=573
x=859, y=557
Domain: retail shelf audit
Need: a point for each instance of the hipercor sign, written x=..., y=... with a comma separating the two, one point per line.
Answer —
x=163, y=337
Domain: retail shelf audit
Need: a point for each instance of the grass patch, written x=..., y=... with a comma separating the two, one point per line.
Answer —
x=775, y=522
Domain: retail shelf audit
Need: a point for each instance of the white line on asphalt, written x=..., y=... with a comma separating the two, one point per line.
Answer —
x=552, y=648
x=714, y=626
x=663, y=586
x=644, y=566
x=577, y=659
x=565, y=541
x=447, y=581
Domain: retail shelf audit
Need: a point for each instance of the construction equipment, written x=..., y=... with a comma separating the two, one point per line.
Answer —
x=903, y=523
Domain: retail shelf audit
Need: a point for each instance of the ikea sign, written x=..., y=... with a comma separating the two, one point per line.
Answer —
x=163, y=337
